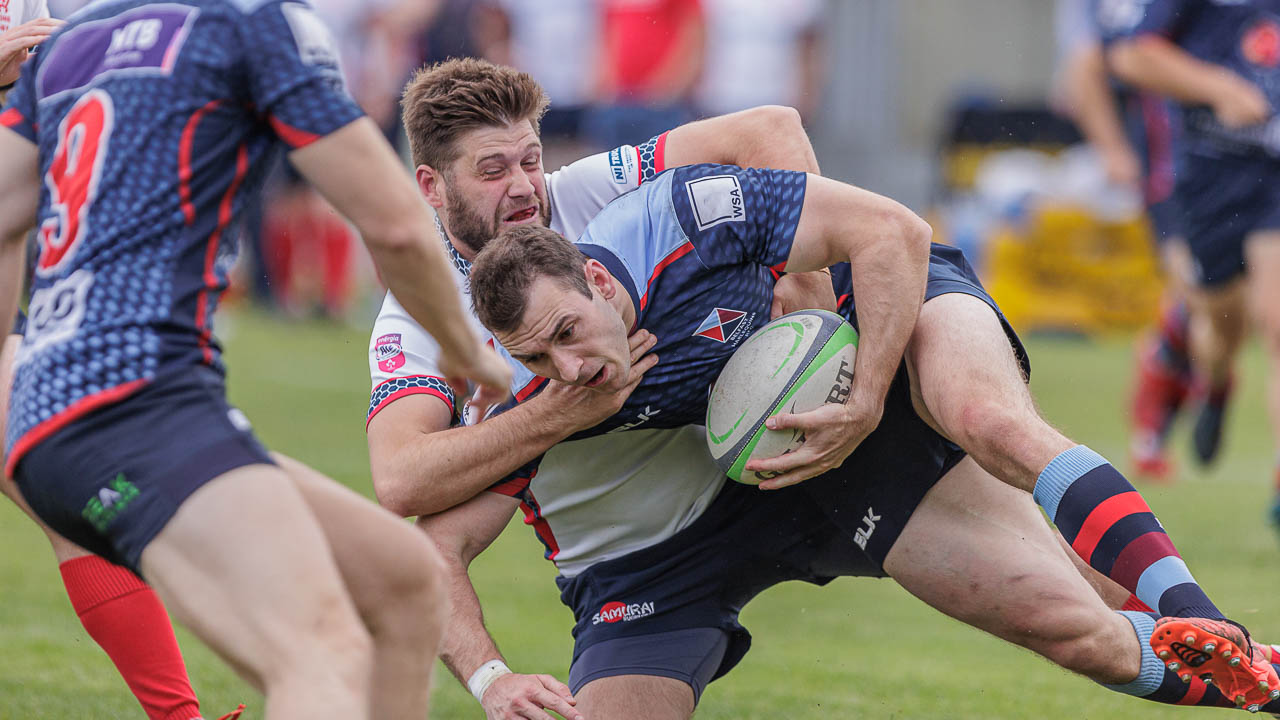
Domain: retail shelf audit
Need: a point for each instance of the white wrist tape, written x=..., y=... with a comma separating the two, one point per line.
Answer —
x=483, y=677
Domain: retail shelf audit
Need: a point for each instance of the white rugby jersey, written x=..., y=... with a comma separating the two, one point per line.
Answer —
x=18, y=12
x=592, y=499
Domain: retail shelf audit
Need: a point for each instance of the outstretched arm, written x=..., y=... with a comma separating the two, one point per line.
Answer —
x=462, y=533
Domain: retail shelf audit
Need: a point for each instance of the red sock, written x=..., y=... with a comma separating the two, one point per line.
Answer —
x=127, y=620
x=1133, y=603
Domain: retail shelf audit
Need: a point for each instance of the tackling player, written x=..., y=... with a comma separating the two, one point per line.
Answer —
x=148, y=124
x=703, y=238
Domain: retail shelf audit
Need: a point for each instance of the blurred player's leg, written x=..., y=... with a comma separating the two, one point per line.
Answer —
x=1262, y=253
x=635, y=697
x=268, y=595
x=1218, y=326
x=972, y=390
x=372, y=553
x=1162, y=381
x=122, y=615
x=980, y=551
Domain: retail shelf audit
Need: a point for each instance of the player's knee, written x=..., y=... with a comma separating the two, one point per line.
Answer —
x=992, y=427
x=328, y=647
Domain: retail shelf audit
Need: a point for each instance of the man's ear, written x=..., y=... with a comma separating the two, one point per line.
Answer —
x=431, y=185
x=599, y=278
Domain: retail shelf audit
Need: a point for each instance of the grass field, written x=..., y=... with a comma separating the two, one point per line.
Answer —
x=857, y=648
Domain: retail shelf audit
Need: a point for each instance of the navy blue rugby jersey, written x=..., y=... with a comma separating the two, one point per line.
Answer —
x=155, y=121
x=698, y=250
x=1241, y=35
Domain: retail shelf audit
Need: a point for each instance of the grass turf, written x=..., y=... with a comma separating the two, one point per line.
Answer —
x=857, y=648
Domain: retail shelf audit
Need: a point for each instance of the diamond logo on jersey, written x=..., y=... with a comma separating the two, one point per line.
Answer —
x=389, y=352
x=1260, y=44
x=720, y=324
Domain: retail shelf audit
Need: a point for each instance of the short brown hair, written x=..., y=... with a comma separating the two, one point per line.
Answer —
x=503, y=274
x=445, y=100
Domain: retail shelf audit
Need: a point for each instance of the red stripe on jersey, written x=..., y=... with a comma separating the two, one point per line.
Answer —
x=184, y=159
x=512, y=487
x=674, y=256
x=1103, y=518
x=639, y=168
x=527, y=390
x=533, y=518
x=79, y=408
x=405, y=392
x=294, y=137
x=211, y=252
x=660, y=152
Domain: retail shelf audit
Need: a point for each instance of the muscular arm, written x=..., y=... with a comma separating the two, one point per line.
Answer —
x=768, y=136
x=461, y=533
x=357, y=172
x=887, y=247
x=19, y=200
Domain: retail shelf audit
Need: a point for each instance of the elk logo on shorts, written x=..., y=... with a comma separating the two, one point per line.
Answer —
x=389, y=353
x=109, y=502
x=613, y=612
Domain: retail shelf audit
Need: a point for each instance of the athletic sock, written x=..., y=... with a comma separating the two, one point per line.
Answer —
x=1157, y=683
x=1133, y=603
x=127, y=620
x=1173, y=329
x=1109, y=525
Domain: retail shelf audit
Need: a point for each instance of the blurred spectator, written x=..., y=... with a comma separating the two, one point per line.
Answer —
x=450, y=33
x=762, y=52
x=556, y=43
x=651, y=59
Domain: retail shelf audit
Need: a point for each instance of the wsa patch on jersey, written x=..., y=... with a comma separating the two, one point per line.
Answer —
x=716, y=199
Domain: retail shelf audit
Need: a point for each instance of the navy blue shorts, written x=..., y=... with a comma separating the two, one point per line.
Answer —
x=1167, y=219
x=671, y=610
x=1224, y=200
x=111, y=480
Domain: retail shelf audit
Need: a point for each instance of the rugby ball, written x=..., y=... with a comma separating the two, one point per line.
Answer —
x=794, y=364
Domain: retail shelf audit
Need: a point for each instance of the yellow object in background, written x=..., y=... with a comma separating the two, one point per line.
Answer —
x=1067, y=270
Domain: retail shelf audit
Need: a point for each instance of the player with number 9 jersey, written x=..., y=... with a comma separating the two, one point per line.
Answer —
x=142, y=180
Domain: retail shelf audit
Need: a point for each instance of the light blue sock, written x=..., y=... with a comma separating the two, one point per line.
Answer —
x=1152, y=673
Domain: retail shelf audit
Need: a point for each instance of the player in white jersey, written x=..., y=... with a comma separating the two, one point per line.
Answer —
x=417, y=431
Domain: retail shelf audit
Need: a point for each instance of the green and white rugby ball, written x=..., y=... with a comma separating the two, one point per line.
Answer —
x=794, y=364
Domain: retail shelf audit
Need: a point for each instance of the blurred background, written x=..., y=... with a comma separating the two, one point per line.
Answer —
x=945, y=106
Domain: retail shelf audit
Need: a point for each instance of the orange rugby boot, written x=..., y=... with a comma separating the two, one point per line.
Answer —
x=1221, y=652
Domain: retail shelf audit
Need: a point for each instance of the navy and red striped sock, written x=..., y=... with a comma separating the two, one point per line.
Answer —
x=1108, y=524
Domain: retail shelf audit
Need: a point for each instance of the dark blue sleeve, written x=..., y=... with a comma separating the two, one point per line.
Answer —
x=293, y=72
x=734, y=215
x=19, y=324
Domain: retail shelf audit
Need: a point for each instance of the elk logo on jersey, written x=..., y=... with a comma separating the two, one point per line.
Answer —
x=389, y=353
x=1261, y=44
x=720, y=324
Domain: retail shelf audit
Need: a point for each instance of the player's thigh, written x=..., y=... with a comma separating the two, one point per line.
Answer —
x=245, y=564
x=980, y=551
x=383, y=558
x=959, y=355
x=1262, y=254
x=635, y=697
x=1219, y=305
